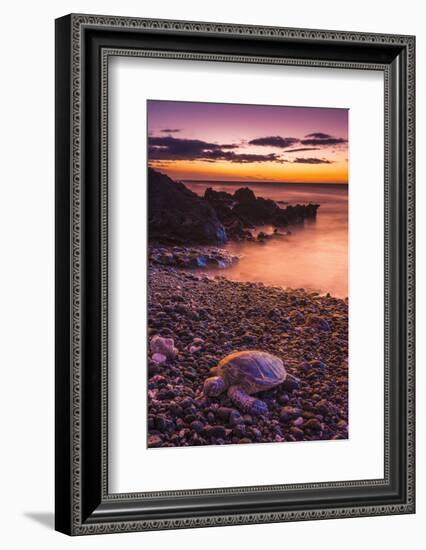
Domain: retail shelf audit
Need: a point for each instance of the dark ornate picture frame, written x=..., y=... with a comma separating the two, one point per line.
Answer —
x=84, y=44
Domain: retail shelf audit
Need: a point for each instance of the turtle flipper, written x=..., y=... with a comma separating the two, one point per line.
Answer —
x=245, y=402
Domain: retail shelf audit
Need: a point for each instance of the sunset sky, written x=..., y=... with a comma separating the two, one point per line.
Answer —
x=234, y=142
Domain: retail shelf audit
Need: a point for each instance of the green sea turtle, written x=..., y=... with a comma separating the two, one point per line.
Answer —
x=243, y=373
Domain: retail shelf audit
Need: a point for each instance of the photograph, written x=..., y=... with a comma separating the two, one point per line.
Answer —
x=247, y=273
x=234, y=273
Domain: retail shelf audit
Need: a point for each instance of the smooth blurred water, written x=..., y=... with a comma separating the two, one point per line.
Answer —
x=314, y=256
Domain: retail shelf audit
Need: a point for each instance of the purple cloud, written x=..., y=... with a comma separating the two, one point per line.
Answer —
x=275, y=141
x=302, y=149
x=321, y=139
x=311, y=160
x=171, y=148
x=317, y=139
x=318, y=135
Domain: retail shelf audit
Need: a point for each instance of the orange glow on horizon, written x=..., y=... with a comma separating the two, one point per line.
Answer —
x=336, y=172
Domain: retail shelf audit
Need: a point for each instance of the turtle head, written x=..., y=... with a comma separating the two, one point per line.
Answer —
x=214, y=386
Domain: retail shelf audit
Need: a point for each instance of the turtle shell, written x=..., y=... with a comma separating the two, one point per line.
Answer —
x=253, y=370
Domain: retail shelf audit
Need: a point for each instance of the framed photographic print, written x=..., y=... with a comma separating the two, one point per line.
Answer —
x=234, y=274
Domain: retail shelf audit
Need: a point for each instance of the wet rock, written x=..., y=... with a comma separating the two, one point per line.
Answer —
x=235, y=417
x=257, y=434
x=186, y=402
x=177, y=215
x=248, y=419
x=190, y=372
x=318, y=322
x=313, y=424
x=166, y=394
x=180, y=423
x=163, y=424
x=175, y=409
x=157, y=380
x=296, y=316
x=315, y=364
x=154, y=441
x=197, y=426
x=159, y=358
x=224, y=412
x=163, y=346
x=197, y=341
x=151, y=422
x=298, y=422
x=288, y=413
x=262, y=236
x=191, y=258
x=322, y=407
x=297, y=433
x=153, y=368
x=243, y=210
x=283, y=399
x=240, y=430
x=211, y=195
x=192, y=409
x=215, y=431
x=249, y=339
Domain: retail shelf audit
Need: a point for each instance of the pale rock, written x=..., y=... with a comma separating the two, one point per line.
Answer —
x=163, y=346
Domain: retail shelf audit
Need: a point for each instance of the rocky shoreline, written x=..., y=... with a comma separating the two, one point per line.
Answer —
x=177, y=216
x=242, y=211
x=190, y=256
x=207, y=318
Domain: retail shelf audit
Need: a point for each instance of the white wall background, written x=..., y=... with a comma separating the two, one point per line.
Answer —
x=27, y=262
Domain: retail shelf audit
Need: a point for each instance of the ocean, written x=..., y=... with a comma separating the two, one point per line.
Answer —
x=314, y=256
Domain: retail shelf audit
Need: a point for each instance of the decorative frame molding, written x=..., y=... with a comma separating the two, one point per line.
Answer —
x=84, y=505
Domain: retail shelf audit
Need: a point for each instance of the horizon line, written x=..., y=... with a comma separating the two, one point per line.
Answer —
x=237, y=182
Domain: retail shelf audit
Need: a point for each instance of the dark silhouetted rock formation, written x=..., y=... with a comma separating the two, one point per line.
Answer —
x=176, y=215
x=243, y=210
x=179, y=216
x=224, y=205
